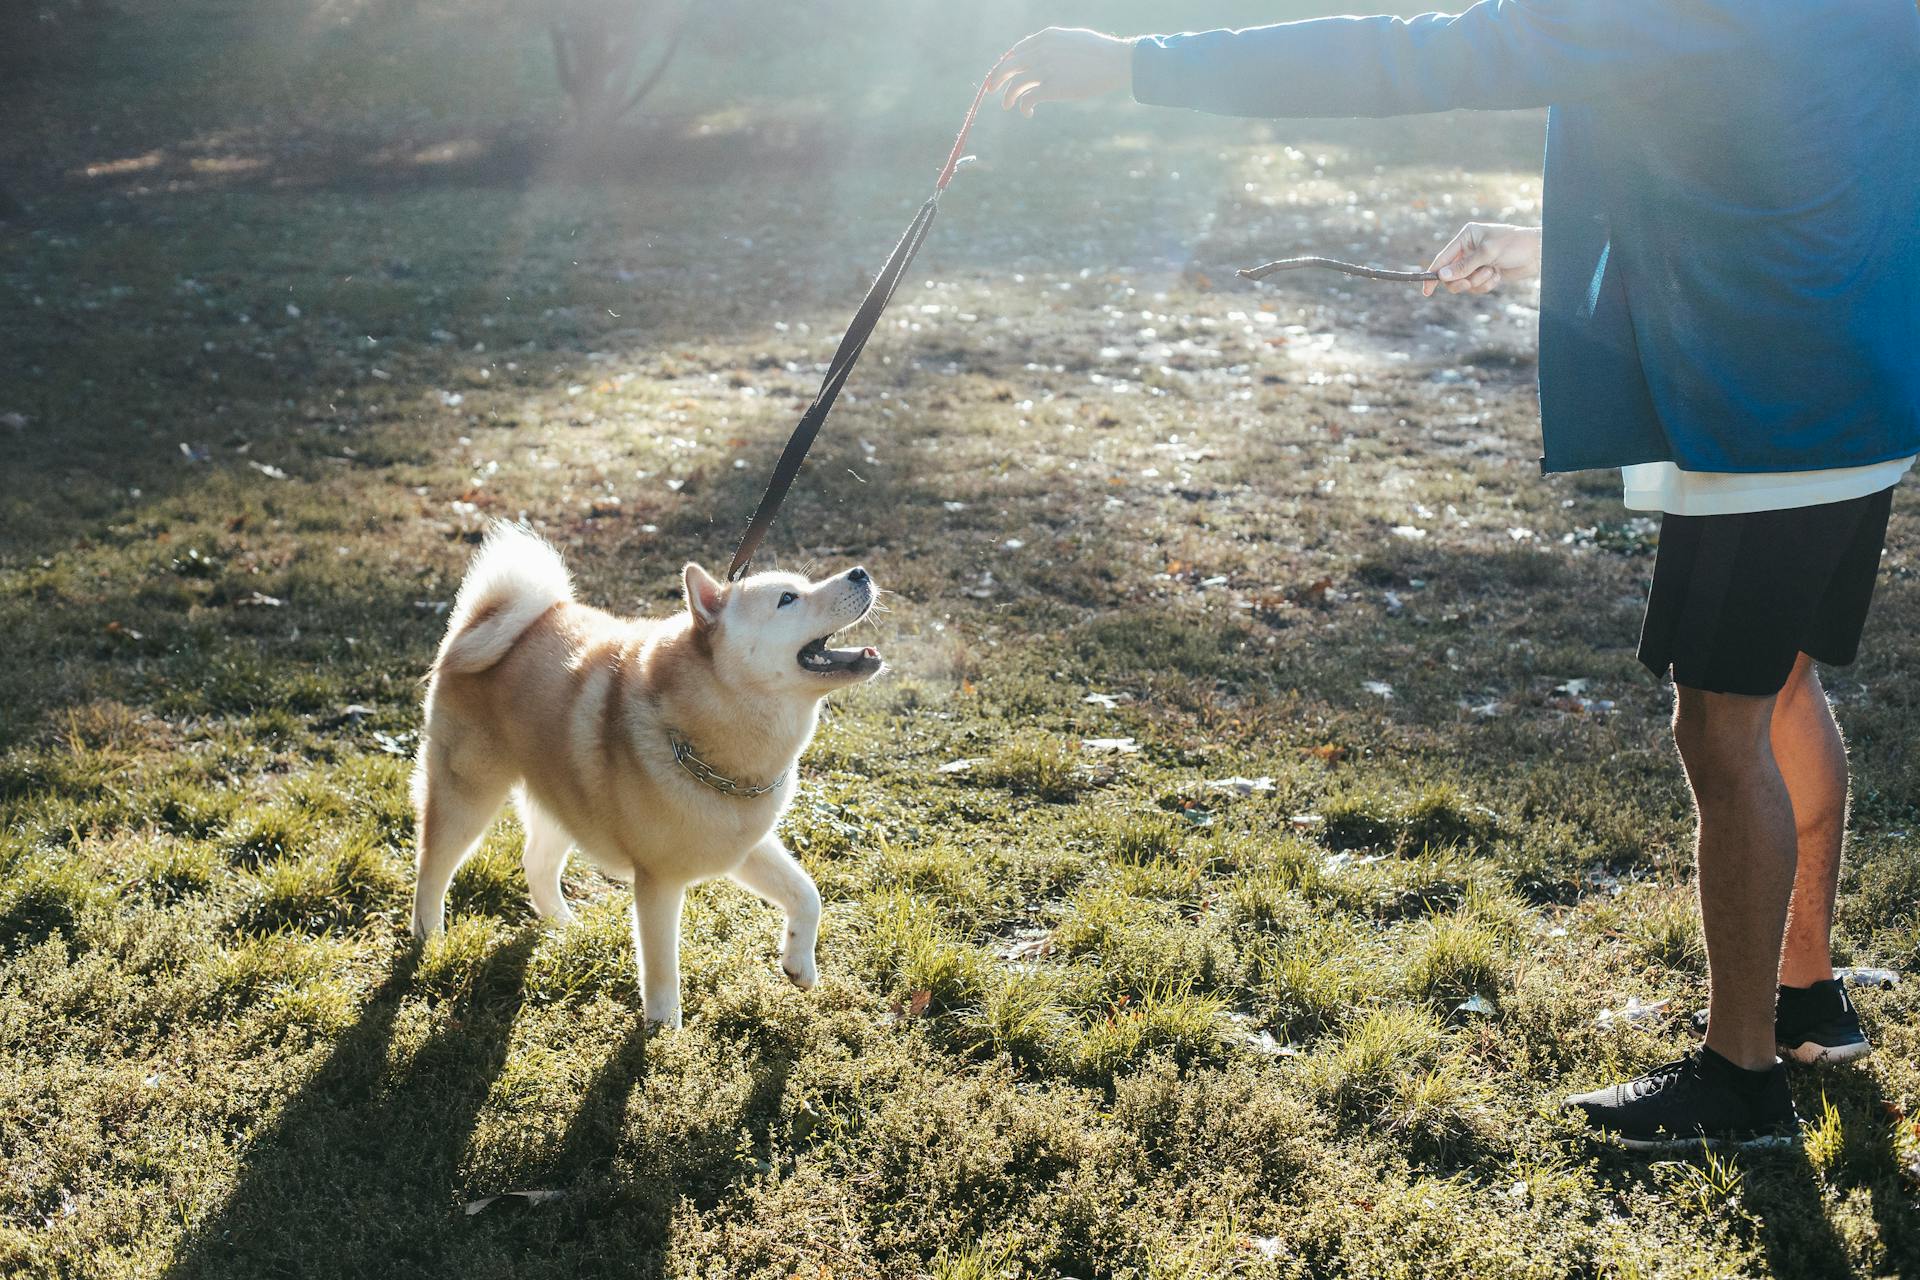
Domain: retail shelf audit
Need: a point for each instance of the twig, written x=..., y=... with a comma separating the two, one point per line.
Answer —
x=1334, y=264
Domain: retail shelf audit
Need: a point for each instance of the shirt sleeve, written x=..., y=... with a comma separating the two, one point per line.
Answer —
x=1498, y=55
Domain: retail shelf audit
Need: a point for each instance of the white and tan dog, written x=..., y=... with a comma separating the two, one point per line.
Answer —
x=663, y=748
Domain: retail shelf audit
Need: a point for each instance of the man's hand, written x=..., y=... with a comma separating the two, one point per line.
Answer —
x=1486, y=255
x=1062, y=64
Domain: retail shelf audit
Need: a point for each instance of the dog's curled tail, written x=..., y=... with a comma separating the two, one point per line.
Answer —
x=515, y=577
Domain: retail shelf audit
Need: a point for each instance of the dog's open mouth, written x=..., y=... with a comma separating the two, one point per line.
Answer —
x=821, y=659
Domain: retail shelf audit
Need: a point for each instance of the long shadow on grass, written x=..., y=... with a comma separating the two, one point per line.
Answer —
x=357, y=1176
x=626, y=1223
x=1870, y=1160
x=1788, y=1196
x=623, y=1174
x=1784, y=1193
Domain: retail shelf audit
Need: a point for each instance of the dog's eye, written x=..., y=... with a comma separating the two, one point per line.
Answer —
x=787, y=598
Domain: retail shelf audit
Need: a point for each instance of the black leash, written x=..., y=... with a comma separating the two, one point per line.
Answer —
x=1334, y=264
x=848, y=354
x=868, y=316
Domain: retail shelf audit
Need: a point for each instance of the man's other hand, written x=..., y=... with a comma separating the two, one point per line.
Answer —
x=1061, y=64
x=1484, y=256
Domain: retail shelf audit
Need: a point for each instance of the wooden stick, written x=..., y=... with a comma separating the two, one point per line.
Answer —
x=1334, y=264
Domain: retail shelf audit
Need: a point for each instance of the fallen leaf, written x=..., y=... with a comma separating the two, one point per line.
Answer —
x=1027, y=946
x=914, y=1006
x=1313, y=593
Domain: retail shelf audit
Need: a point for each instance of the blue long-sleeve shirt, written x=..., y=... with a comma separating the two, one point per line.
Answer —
x=1731, y=260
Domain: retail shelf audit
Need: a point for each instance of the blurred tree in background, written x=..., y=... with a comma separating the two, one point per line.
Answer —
x=600, y=48
x=526, y=83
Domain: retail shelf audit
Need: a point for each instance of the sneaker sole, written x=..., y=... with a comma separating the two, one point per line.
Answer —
x=1760, y=1142
x=1813, y=1052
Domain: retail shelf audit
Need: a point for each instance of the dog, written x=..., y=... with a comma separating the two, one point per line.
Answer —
x=663, y=749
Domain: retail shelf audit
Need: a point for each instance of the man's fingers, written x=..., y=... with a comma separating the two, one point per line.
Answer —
x=1481, y=280
x=1476, y=258
x=1007, y=70
x=1461, y=243
x=1016, y=86
x=1030, y=97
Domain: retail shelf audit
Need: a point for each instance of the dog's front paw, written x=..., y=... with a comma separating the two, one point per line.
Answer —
x=661, y=1016
x=800, y=971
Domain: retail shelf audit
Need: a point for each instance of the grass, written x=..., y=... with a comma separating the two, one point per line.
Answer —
x=1084, y=1011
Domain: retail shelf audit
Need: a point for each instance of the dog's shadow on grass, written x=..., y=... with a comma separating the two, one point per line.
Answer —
x=353, y=1177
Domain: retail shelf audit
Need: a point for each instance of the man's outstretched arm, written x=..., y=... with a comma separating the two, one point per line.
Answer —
x=1498, y=55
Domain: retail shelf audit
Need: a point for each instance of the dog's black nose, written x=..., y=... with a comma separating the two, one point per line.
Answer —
x=857, y=575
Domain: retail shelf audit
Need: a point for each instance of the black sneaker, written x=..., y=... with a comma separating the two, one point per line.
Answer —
x=1818, y=1024
x=1701, y=1099
x=1813, y=1024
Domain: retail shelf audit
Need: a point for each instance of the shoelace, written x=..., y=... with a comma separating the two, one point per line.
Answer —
x=1662, y=1076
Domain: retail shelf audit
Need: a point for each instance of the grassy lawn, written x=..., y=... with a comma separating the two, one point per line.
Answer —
x=1263, y=806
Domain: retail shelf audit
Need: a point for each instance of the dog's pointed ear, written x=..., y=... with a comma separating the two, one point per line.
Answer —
x=704, y=596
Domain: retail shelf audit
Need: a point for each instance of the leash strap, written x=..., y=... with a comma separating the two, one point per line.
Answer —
x=844, y=359
x=848, y=354
x=1334, y=264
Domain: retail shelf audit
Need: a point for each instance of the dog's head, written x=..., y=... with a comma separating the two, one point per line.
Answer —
x=771, y=629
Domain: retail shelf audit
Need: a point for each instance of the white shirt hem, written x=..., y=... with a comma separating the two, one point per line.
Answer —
x=1664, y=487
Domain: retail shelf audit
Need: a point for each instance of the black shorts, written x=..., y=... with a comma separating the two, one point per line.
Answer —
x=1737, y=598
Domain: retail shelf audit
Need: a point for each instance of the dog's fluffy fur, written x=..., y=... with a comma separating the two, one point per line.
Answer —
x=575, y=712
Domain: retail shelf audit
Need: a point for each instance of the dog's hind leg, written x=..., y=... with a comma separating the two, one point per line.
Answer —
x=656, y=928
x=776, y=875
x=452, y=810
x=544, y=858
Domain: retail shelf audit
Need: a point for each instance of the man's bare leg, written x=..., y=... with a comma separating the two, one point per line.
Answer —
x=1747, y=854
x=1813, y=762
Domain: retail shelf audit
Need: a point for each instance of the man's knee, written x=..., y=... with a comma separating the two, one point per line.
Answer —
x=1721, y=736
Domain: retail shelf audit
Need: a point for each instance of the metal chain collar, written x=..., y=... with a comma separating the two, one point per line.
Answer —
x=693, y=764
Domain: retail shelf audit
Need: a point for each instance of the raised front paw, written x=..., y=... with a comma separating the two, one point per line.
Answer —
x=800, y=970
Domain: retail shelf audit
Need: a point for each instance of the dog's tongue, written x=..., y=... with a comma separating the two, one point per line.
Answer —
x=862, y=659
x=824, y=658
